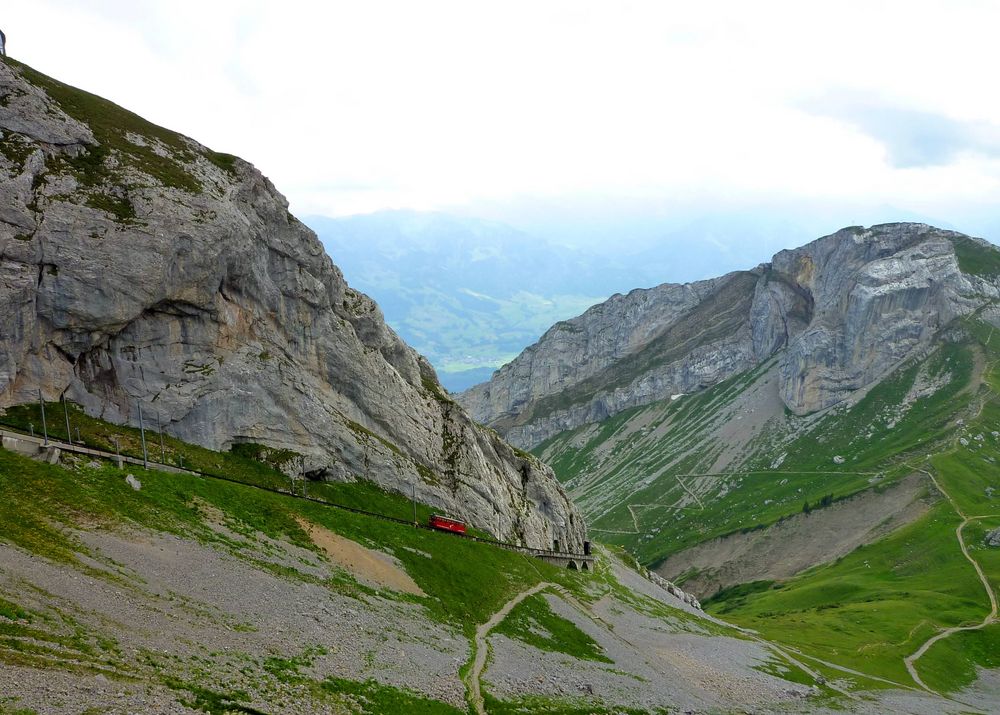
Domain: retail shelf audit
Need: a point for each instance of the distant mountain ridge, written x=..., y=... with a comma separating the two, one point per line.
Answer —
x=471, y=294
x=843, y=310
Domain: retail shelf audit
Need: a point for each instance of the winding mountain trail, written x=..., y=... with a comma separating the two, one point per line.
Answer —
x=849, y=671
x=685, y=487
x=481, y=648
x=990, y=618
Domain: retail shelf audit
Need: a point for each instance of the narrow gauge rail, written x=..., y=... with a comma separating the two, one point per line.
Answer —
x=7, y=430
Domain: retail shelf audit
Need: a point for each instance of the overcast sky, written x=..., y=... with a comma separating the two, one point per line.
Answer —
x=356, y=106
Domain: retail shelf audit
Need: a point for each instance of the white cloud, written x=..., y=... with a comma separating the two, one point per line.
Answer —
x=354, y=106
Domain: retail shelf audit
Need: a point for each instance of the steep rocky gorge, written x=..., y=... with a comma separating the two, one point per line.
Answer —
x=139, y=267
x=839, y=313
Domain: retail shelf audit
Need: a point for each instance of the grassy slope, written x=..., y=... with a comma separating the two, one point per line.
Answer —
x=248, y=463
x=112, y=126
x=976, y=259
x=645, y=464
x=874, y=606
x=878, y=604
x=582, y=706
x=952, y=662
x=533, y=622
x=881, y=602
x=465, y=581
x=37, y=500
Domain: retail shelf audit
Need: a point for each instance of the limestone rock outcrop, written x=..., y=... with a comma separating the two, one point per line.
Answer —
x=625, y=352
x=837, y=314
x=139, y=267
x=672, y=588
x=878, y=296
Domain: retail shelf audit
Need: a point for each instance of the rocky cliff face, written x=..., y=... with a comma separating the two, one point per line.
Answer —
x=876, y=296
x=139, y=267
x=840, y=312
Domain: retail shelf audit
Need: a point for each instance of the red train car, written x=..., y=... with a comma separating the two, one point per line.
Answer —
x=446, y=524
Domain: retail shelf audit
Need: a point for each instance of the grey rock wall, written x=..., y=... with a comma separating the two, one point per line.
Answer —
x=137, y=266
x=879, y=295
x=838, y=314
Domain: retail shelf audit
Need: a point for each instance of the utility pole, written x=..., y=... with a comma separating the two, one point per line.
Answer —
x=45, y=429
x=118, y=452
x=142, y=432
x=159, y=426
x=414, y=488
x=69, y=435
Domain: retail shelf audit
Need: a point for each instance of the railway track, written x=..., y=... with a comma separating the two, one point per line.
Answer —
x=7, y=432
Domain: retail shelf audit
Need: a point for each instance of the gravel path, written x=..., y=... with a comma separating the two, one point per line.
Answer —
x=481, y=646
x=657, y=663
x=678, y=658
x=990, y=618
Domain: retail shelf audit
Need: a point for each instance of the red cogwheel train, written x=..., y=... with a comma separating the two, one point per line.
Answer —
x=445, y=523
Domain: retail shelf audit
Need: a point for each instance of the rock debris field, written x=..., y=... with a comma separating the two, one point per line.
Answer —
x=173, y=617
